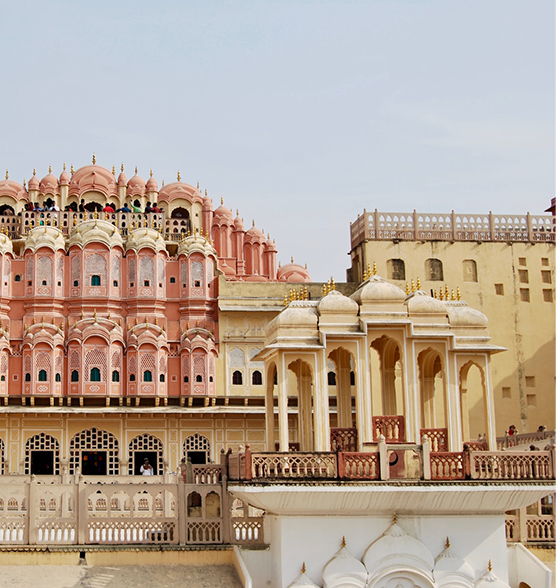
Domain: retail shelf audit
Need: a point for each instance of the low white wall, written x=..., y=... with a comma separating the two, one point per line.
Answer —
x=259, y=566
x=525, y=566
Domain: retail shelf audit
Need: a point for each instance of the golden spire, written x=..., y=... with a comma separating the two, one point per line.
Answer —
x=453, y=295
x=332, y=283
x=446, y=292
x=221, y=199
x=49, y=169
x=343, y=541
x=458, y=294
x=74, y=221
x=24, y=183
x=303, y=568
x=447, y=542
x=113, y=170
x=163, y=183
x=374, y=268
x=71, y=169
x=435, y=294
x=197, y=185
x=82, y=314
x=418, y=283
x=7, y=174
x=94, y=159
x=395, y=518
x=179, y=176
x=324, y=289
x=64, y=166
x=441, y=294
x=253, y=222
x=151, y=173
x=96, y=214
x=122, y=166
x=95, y=315
x=412, y=286
x=136, y=321
x=364, y=275
x=306, y=293
x=292, y=259
x=407, y=290
x=34, y=172
x=490, y=565
x=328, y=287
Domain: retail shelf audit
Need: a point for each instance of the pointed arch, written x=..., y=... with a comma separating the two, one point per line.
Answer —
x=472, y=388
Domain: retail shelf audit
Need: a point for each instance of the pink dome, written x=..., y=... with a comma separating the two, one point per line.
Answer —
x=293, y=272
x=177, y=190
x=49, y=184
x=222, y=213
x=152, y=186
x=207, y=204
x=34, y=182
x=254, y=235
x=136, y=185
x=13, y=189
x=270, y=245
x=122, y=179
x=64, y=177
x=93, y=178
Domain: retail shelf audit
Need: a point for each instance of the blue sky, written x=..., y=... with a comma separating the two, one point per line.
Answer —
x=299, y=113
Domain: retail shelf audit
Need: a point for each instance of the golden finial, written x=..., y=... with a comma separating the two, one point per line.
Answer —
x=324, y=289
x=412, y=286
x=447, y=542
x=188, y=325
x=34, y=172
x=7, y=174
x=453, y=295
x=179, y=176
x=292, y=259
x=49, y=169
x=328, y=287
x=62, y=325
x=42, y=322
x=446, y=292
x=26, y=326
x=163, y=183
x=147, y=321
x=435, y=294
x=343, y=541
x=458, y=294
x=197, y=185
x=151, y=173
x=306, y=293
x=197, y=323
x=364, y=275
x=395, y=518
x=135, y=170
x=253, y=222
x=369, y=270
x=407, y=290
x=24, y=183
x=53, y=321
x=136, y=321
x=490, y=565
x=441, y=294
x=94, y=159
x=109, y=313
x=122, y=166
x=95, y=315
x=82, y=314
x=279, y=264
x=332, y=283
x=418, y=283
x=71, y=169
x=113, y=170
x=164, y=328
x=303, y=568
x=64, y=166
x=374, y=268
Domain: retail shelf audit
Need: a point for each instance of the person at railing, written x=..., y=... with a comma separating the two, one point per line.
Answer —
x=148, y=208
x=512, y=431
x=37, y=208
x=146, y=468
x=541, y=429
x=135, y=208
x=155, y=208
x=124, y=208
x=82, y=205
x=108, y=208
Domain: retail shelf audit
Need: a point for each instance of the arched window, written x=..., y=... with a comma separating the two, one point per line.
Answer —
x=161, y=377
x=75, y=376
x=237, y=378
x=469, y=270
x=115, y=376
x=95, y=375
x=147, y=376
x=331, y=379
x=257, y=378
x=18, y=277
x=396, y=269
x=42, y=376
x=132, y=377
x=352, y=378
x=27, y=377
x=433, y=270
x=186, y=379
x=58, y=378
x=95, y=280
x=199, y=378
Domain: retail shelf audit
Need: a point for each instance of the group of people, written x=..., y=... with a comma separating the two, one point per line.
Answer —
x=50, y=206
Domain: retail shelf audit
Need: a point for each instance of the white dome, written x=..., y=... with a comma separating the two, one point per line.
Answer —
x=145, y=237
x=196, y=243
x=298, y=313
x=6, y=245
x=421, y=303
x=46, y=236
x=377, y=289
x=395, y=547
x=336, y=302
x=461, y=315
x=344, y=570
x=95, y=231
x=450, y=568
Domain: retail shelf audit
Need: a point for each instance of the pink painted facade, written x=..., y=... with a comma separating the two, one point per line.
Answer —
x=118, y=304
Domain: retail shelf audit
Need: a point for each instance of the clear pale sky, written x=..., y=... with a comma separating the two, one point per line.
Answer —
x=299, y=113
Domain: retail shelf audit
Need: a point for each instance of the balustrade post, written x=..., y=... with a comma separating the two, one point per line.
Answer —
x=81, y=508
x=415, y=228
x=248, y=465
x=522, y=525
x=341, y=464
x=453, y=226
x=182, y=507
x=383, y=458
x=529, y=228
x=226, y=514
x=426, y=458
x=491, y=226
x=32, y=512
x=552, y=451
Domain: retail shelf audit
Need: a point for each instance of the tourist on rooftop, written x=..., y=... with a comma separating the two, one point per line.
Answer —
x=135, y=208
x=155, y=208
x=108, y=208
x=148, y=208
x=82, y=205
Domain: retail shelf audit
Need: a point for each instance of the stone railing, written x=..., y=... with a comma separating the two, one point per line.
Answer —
x=533, y=524
x=107, y=510
x=438, y=438
x=392, y=428
x=416, y=226
x=386, y=461
x=343, y=438
x=524, y=439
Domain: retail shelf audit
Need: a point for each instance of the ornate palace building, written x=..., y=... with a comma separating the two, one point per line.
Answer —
x=139, y=323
